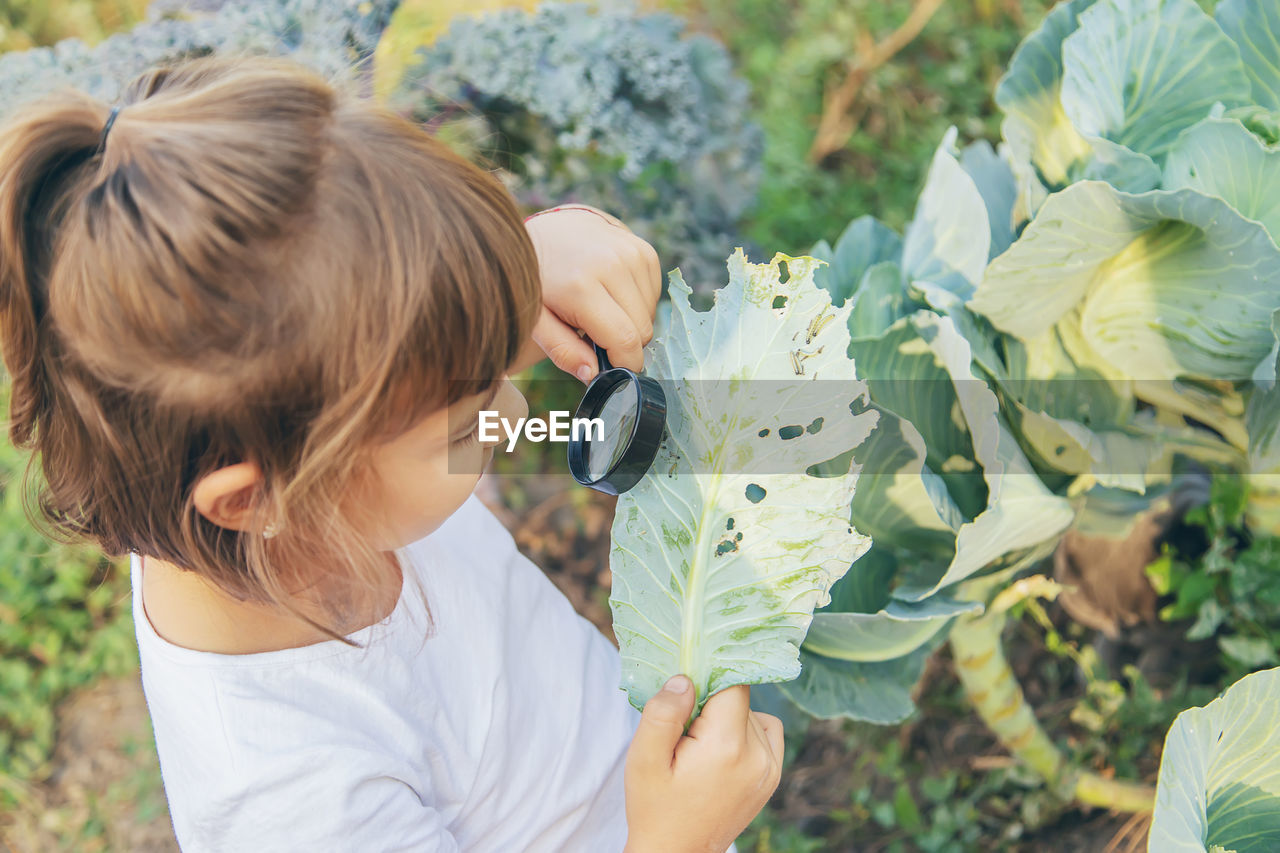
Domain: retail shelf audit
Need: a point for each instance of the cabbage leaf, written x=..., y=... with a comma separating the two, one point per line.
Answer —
x=1122, y=83
x=1162, y=285
x=1219, y=781
x=723, y=550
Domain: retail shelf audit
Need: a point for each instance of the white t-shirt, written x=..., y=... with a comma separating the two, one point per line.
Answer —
x=504, y=730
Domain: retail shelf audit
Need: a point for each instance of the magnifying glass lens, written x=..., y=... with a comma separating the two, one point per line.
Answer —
x=618, y=414
x=614, y=453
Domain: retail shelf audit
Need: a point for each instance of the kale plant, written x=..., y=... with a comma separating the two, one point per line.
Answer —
x=333, y=37
x=611, y=108
x=605, y=106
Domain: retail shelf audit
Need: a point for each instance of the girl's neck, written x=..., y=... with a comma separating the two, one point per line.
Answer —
x=188, y=611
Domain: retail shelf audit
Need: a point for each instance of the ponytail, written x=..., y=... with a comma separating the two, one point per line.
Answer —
x=46, y=155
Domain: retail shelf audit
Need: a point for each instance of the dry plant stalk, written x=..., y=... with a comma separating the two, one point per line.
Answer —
x=837, y=123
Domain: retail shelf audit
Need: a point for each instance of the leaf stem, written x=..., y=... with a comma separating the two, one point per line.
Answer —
x=1094, y=790
x=996, y=695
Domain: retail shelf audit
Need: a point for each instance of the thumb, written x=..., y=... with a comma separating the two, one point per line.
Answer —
x=561, y=343
x=662, y=726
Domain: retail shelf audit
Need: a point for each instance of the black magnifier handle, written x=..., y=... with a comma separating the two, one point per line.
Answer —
x=602, y=358
x=637, y=430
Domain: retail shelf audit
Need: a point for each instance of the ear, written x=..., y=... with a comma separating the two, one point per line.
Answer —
x=225, y=496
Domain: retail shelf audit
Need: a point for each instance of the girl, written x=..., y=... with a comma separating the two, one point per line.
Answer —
x=249, y=322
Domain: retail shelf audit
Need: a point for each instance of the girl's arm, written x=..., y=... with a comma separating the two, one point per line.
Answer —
x=597, y=276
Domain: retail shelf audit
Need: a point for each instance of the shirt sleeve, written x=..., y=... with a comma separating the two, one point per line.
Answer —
x=315, y=813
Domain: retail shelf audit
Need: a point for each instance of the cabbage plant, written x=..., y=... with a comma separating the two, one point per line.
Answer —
x=1148, y=204
x=1219, y=787
x=1063, y=320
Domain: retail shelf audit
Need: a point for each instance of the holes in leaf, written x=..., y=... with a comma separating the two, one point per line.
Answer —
x=813, y=428
x=762, y=433
x=789, y=432
x=728, y=544
x=779, y=301
x=755, y=493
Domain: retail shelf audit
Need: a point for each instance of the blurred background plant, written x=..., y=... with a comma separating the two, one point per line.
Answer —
x=620, y=110
x=847, y=65
x=25, y=24
x=1221, y=580
x=333, y=37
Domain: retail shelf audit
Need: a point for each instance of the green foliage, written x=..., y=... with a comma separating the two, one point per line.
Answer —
x=64, y=622
x=1145, y=263
x=1225, y=578
x=945, y=490
x=28, y=23
x=1123, y=717
x=1082, y=306
x=916, y=788
x=1123, y=328
x=418, y=23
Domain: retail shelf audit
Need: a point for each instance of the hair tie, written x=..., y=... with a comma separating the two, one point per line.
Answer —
x=111, y=119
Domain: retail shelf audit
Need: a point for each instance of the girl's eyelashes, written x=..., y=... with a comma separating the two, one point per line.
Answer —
x=468, y=439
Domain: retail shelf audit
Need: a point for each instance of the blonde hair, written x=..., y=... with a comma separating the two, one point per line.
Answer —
x=257, y=267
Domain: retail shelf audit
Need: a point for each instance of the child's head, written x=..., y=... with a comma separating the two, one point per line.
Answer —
x=217, y=322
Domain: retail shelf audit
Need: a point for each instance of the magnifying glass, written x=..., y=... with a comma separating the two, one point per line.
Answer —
x=632, y=409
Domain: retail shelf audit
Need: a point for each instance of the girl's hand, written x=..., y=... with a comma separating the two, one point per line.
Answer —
x=695, y=793
x=599, y=277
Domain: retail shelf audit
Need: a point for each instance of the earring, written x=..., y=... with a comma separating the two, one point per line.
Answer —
x=271, y=530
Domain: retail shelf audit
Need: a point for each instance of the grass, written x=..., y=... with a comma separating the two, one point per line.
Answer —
x=790, y=51
x=64, y=623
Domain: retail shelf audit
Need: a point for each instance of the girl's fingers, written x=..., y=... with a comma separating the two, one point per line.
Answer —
x=563, y=346
x=654, y=276
x=661, y=725
x=609, y=325
x=646, y=271
x=771, y=727
x=628, y=288
x=724, y=719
